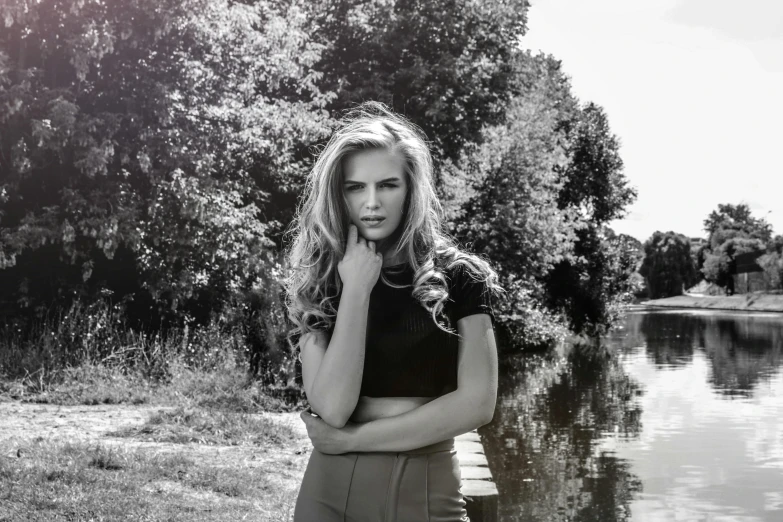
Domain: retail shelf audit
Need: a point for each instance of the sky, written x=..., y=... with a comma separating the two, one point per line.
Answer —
x=694, y=93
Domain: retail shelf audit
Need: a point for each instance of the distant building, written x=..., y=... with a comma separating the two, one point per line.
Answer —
x=697, y=242
x=748, y=275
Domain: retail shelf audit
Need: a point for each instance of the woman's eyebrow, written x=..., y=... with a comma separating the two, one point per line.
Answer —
x=362, y=183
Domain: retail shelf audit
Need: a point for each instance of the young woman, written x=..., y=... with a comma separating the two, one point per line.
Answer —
x=394, y=326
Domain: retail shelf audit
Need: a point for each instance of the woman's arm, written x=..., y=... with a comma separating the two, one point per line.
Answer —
x=332, y=377
x=471, y=405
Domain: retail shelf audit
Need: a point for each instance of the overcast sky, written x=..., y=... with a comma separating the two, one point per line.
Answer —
x=694, y=92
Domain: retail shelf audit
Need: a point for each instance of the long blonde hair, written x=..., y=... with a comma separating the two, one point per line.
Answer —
x=322, y=221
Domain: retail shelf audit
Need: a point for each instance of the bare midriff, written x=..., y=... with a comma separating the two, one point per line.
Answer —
x=373, y=408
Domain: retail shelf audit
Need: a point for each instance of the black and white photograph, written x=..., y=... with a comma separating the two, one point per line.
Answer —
x=391, y=261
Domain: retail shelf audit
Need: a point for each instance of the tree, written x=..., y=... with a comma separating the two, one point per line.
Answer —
x=720, y=265
x=772, y=264
x=442, y=63
x=732, y=230
x=594, y=282
x=667, y=265
x=501, y=197
x=732, y=221
x=594, y=179
x=134, y=135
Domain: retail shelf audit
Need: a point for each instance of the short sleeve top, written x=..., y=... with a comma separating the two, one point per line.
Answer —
x=406, y=354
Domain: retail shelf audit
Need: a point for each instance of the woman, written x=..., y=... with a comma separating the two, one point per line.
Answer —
x=394, y=326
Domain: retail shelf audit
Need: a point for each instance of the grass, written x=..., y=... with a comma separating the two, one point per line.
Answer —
x=50, y=480
x=210, y=456
x=227, y=385
x=88, y=355
x=184, y=425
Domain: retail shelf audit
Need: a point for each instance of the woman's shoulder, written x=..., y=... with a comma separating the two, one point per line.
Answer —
x=469, y=292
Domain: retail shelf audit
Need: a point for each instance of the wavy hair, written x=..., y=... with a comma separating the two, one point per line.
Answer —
x=321, y=224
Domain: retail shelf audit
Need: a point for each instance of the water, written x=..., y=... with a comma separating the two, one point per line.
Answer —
x=683, y=423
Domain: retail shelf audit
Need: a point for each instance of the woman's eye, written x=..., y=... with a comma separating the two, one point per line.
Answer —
x=353, y=188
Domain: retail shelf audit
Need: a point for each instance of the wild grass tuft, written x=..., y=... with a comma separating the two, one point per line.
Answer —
x=88, y=355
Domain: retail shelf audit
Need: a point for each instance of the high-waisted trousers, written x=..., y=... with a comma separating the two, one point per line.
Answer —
x=421, y=485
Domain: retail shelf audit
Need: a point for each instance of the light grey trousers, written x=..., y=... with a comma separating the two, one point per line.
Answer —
x=421, y=485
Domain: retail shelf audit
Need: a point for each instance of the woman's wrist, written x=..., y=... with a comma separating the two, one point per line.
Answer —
x=355, y=293
x=352, y=434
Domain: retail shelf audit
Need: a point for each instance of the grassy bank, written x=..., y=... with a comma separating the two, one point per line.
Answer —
x=205, y=448
x=179, y=466
x=743, y=302
x=87, y=354
x=101, y=423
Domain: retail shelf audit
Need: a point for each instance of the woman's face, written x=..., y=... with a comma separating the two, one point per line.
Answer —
x=374, y=184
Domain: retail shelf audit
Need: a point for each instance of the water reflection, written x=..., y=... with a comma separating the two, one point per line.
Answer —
x=683, y=422
x=742, y=348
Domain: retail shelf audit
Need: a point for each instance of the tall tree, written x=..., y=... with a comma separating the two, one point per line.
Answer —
x=668, y=265
x=735, y=220
x=442, y=63
x=592, y=284
x=732, y=230
x=501, y=195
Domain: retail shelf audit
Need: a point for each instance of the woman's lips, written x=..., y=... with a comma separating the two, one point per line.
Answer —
x=373, y=222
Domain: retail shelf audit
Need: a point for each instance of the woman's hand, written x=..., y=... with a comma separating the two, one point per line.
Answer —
x=360, y=267
x=326, y=438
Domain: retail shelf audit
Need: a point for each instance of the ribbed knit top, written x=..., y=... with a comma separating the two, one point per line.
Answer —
x=406, y=354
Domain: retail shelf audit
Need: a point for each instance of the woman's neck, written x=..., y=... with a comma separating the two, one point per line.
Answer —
x=396, y=260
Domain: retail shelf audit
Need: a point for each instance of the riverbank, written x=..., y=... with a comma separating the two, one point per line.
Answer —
x=133, y=462
x=742, y=302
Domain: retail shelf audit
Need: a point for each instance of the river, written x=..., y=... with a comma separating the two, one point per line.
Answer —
x=678, y=418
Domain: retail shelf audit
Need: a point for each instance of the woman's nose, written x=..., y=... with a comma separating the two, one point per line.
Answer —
x=372, y=199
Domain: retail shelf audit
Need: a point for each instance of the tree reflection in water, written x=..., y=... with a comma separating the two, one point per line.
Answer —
x=541, y=443
x=742, y=348
x=547, y=443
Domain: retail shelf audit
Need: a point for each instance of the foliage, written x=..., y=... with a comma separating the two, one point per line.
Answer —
x=772, y=263
x=720, y=264
x=596, y=281
x=152, y=153
x=135, y=135
x=594, y=178
x=716, y=269
x=515, y=186
x=732, y=221
x=501, y=195
x=668, y=265
x=534, y=195
x=776, y=244
x=732, y=231
x=442, y=63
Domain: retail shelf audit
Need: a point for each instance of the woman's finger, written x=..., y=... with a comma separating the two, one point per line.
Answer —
x=371, y=245
x=352, y=233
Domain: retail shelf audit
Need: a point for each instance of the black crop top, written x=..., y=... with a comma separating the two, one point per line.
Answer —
x=406, y=354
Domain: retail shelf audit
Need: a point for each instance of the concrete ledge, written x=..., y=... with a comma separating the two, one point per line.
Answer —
x=478, y=488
